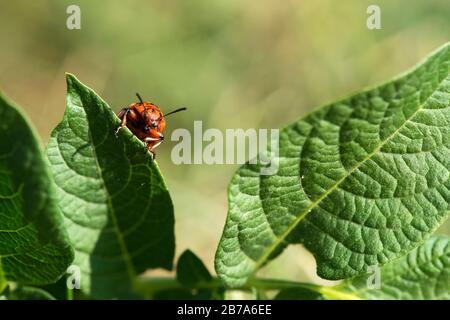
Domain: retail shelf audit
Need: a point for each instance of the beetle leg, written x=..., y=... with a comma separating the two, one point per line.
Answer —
x=150, y=149
x=156, y=145
x=148, y=140
x=123, y=115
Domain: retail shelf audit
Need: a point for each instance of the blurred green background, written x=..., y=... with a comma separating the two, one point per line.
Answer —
x=235, y=64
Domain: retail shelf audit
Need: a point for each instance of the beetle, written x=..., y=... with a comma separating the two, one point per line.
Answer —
x=146, y=121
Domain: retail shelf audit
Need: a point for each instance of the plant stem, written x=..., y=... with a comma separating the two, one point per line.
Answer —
x=69, y=293
x=149, y=285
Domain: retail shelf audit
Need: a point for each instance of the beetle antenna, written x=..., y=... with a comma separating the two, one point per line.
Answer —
x=175, y=111
x=139, y=97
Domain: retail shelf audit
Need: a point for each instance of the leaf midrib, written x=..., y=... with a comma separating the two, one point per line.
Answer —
x=111, y=212
x=307, y=210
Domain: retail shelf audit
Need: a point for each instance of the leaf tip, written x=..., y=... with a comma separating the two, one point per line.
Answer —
x=70, y=79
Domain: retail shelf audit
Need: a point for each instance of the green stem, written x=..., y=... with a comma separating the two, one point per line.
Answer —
x=69, y=293
x=148, y=286
x=333, y=294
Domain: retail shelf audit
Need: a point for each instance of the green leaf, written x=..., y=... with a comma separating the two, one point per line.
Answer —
x=422, y=274
x=117, y=208
x=191, y=271
x=34, y=248
x=361, y=181
x=28, y=293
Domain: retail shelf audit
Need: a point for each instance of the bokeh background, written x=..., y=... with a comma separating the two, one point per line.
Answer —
x=235, y=64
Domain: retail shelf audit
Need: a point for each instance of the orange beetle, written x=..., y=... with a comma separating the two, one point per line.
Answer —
x=146, y=121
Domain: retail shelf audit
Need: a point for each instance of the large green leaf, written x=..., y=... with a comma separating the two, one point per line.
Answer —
x=424, y=273
x=361, y=181
x=33, y=245
x=117, y=208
